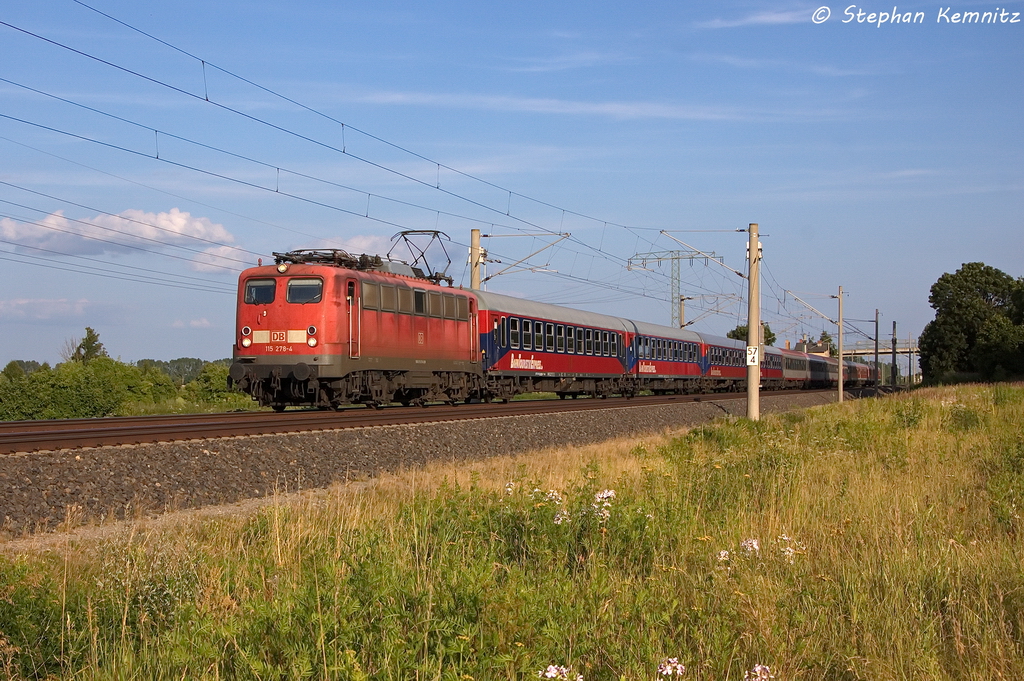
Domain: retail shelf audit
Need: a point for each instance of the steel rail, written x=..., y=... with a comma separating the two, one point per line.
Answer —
x=29, y=436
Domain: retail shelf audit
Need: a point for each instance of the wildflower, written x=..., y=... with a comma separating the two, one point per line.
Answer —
x=723, y=556
x=561, y=517
x=557, y=672
x=788, y=552
x=671, y=666
x=750, y=546
x=605, y=496
x=554, y=497
x=760, y=672
x=510, y=487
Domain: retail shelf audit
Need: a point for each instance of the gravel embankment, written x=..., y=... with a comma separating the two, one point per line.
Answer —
x=36, y=490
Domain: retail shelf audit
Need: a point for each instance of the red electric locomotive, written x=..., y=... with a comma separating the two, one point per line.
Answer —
x=325, y=328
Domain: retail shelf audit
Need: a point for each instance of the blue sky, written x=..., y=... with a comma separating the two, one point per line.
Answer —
x=874, y=157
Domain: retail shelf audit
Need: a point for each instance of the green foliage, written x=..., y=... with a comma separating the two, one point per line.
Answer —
x=105, y=387
x=89, y=348
x=977, y=324
x=740, y=333
x=181, y=371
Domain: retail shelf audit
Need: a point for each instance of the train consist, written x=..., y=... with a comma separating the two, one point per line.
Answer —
x=327, y=329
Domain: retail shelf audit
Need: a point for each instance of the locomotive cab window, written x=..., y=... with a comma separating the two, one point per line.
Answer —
x=260, y=291
x=304, y=291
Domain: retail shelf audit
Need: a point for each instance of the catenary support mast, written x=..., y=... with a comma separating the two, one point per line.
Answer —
x=753, y=325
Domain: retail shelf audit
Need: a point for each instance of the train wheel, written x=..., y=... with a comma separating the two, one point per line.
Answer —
x=278, y=407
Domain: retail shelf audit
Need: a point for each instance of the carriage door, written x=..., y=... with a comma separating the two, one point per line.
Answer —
x=353, y=311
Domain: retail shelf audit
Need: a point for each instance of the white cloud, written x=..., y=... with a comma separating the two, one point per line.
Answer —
x=777, y=64
x=798, y=16
x=620, y=110
x=127, y=232
x=41, y=309
x=565, y=62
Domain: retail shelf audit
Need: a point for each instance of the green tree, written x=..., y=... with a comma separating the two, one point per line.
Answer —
x=89, y=348
x=740, y=333
x=967, y=302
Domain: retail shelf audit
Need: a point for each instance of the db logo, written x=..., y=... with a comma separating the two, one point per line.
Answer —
x=277, y=336
x=419, y=338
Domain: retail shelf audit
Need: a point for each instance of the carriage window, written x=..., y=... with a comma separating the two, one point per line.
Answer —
x=421, y=300
x=527, y=334
x=462, y=303
x=513, y=329
x=615, y=345
x=406, y=302
x=538, y=335
x=579, y=341
x=559, y=338
x=388, y=298
x=371, y=295
x=303, y=291
x=590, y=341
x=606, y=347
x=549, y=337
x=436, y=305
x=570, y=340
x=260, y=291
x=449, y=305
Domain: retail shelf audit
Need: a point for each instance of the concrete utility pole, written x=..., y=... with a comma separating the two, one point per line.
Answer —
x=753, y=325
x=878, y=373
x=475, y=259
x=842, y=372
x=892, y=372
x=682, y=312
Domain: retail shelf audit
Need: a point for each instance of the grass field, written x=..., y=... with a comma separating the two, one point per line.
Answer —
x=879, y=539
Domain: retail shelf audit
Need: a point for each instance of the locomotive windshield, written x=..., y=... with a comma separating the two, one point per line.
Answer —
x=259, y=291
x=305, y=290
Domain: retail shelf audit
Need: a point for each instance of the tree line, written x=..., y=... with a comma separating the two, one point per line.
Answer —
x=978, y=328
x=89, y=383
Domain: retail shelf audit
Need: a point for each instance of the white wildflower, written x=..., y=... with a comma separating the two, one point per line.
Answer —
x=671, y=666
x=750, y=546
x=562, y=517
x=760, y=672
x=554, y=497
x=555, y=671
x=723, y=556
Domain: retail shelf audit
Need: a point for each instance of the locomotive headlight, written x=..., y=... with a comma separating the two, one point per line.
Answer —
x=246, y=342
x=311, y=342
x=282, y=268
x=311, y=331
x=246, y=330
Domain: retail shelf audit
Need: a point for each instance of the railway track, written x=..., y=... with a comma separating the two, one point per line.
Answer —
x=31, y=436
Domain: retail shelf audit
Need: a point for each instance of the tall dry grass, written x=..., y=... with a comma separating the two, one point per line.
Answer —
x=874, y=540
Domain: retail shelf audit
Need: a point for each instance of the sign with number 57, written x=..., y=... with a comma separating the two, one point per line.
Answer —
x=752, y=356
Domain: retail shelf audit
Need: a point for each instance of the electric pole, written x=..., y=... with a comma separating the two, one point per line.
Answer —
x=475, y=259
x=878, y=373
x=842, y=373
x=892, y=372
x=753, y=325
